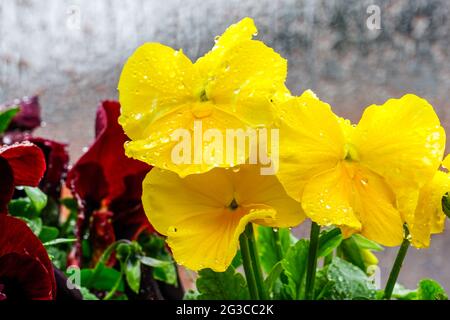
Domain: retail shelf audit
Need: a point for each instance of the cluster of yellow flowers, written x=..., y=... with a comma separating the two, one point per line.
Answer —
x=370, y=178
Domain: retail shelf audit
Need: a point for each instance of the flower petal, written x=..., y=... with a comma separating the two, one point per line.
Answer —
x=401, y=140
x=375, y=206
x=311, y=142
x=158, y=147
x=29, y=116
x=16, y=237
x=429, y=217
x=253, y=189
x=328, y=197
x=105, y=160
x=154, y=80
x=250, y=75
x=235, y=34
x=26, y=161
x=6, y=185
x=202, y=229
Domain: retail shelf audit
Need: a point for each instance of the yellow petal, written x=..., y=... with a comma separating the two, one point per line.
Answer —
x=155, y=80
x=241, y=75
x=311, y=142
x=250, y=75
x=429, y=217
x=236, y=33
x=253, y=189
x=211, y=240
x=401, y=140
x=181, y=128
x=354, y=199
x=327, y=199
x=374, y=203
x=195, y=213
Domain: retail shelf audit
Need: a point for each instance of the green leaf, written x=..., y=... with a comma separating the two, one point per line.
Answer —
x=446, y=204
x=429, y=289
x=37, y=197
x=267, y=246
x=352, y=253
x=191, y=295
x=152, y=262
x=133, y=273
x=21, y=207
x=364, y=243
x=342, y=280
x=104, y=280
x=58, y=257
x=48, y=234
x=294, y=264
x=272, y=278
x=6, y=117
x=401, y=293
x=328, y=241
x=58, y=241
x=228, y=285
x=34, y=224
x=167, y=274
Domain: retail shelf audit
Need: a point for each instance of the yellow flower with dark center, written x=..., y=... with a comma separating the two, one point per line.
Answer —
x=203, y=215
x=364, y=178
x=231, y=87
x=429, y=217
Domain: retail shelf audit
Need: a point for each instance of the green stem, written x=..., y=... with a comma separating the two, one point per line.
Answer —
x=277, y=244
x=312, y=261
x=257, y=270
x=114, y=289
x=248, y=267
x=396, y=267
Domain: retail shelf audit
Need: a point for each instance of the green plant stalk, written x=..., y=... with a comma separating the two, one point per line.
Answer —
x=103, y=259
x=312, y=261
x=277, y=244
x=248, y=267
x=115, y=288
x=257, y=270
x=395, y=271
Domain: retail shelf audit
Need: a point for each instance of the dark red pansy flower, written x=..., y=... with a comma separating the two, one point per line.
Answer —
x=21, y=164
x=104, y=177
x=56, y=155
x=29, y=116
x=25, y=268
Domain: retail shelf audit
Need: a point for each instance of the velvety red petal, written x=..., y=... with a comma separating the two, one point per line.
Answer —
x=16, y=237
x=29, y=116
x=57, y=160
x=129, y=217
x=6, y=185
x=102, y=235
x=24, y=277
x=27, y=162
x=107, y=153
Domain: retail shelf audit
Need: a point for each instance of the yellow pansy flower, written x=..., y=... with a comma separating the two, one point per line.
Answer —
x=429, y=217
x=364, y=178
x=231, y=87
x=203, y=215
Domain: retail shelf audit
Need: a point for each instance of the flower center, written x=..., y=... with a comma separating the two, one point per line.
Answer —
x=351, y=154
x=202, y=110
x=233, y=205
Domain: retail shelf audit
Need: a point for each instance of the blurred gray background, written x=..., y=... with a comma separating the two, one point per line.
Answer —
x=72, y=52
